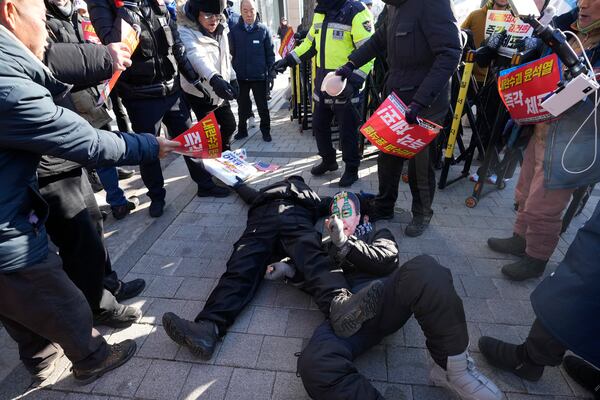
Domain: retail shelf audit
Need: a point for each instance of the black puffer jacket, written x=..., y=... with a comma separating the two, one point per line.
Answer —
x=160, y=53
x=83, y=65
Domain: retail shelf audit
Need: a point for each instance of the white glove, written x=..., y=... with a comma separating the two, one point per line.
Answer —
x=335, y=226
x=279, y=271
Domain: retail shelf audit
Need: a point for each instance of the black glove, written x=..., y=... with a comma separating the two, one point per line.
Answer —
x=236, y=88
x=413, y=111
x=346, y=70
x=200, y=87
x=222, y=88
x=280, y=66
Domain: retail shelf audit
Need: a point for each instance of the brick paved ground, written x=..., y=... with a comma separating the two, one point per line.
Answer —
x=182, y=254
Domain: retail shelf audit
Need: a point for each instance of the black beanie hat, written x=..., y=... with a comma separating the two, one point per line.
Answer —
x=193, y=7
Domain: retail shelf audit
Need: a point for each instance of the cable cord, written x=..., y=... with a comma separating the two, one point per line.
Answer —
x=594, y=113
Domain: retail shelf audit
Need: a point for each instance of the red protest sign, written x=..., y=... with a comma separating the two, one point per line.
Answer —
x=287, y=43
x=202, y=140
x=388, y=130
x=523, y=89
x=130, y=37
x=89, y=34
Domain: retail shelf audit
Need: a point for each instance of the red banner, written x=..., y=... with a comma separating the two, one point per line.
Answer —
x=131, y=38
x=388, y=130
x=202, y=140
x=89, y=34
x=287, y=43
x=524, y=88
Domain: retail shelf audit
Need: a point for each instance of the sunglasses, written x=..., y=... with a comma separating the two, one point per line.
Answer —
x=211, y=16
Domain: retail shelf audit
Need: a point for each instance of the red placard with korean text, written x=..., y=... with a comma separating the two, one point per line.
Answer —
x=388, y=130
x=202, y=140
x=287, y=43
x=130, y=37
x=89, y=34
x=523, y=89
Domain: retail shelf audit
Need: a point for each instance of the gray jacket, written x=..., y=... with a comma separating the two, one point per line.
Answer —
x=31, y=124
x=422, y=42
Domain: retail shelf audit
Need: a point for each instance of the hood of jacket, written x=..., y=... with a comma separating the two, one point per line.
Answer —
x=18, y=60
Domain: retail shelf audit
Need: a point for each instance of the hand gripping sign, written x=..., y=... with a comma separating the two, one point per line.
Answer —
x=202, y=140
x=523, y=89
x=388, y=130
x=130, y=36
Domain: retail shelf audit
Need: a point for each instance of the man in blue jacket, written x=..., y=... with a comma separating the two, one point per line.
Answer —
x=39, y=306
x=253, y=56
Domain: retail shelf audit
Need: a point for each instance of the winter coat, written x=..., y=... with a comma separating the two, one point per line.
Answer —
x=579, y=155
x=422, y=43
x=252, y=51
x=31, y=124
x=568, y=301
x=160, y=53
x=208, y=56
x=83, y=65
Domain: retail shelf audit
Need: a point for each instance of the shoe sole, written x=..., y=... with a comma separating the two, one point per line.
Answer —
x=129, y=356
x=352, y=322
x=179, y=337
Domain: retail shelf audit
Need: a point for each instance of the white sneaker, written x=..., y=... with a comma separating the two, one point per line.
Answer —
x=464, y=379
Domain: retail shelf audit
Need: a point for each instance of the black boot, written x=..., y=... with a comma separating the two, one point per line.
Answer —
x=199, y=337
x=323, y=167
x=128, y=290
x=526, y=268
x=267, y=136
x=121, y=317
x=118, y=354
x=417, y=226
x=349, y=176
x=156, y=208
x=506, y=357
x=348, y=311
x=514, y=245
x=583, y=373
x=213, y=191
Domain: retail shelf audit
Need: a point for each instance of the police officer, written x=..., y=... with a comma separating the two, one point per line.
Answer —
x=150, y=87
x=422, y=43
x=338, y=27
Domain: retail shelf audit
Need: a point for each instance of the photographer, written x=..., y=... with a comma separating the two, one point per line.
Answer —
x=550, y=174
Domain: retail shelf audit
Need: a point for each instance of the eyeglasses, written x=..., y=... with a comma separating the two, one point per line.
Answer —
x=210, y=16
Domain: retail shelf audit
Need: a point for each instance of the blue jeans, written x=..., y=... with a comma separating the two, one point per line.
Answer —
x=110, y=180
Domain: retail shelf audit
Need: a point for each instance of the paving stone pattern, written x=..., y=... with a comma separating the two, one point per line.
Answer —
x=257, y=359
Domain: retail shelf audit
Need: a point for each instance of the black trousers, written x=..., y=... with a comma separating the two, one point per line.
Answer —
x=277, y=228
x=348, y=120
x=39, y=306
x=123, y=123
x=421, y=287
x=147, y=115
x=75, y=226
x=259, y=89
x=223, y=113
x=541, y=347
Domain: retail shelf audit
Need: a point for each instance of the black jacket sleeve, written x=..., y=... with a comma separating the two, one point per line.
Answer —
x=183, y=63
x=247, y=193
x=374, y=47
x=105, y=21
x=380, y=257
x=83, y=65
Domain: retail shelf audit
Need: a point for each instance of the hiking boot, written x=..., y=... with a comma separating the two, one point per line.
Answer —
x=156, y=209
x=583, y=373
x=526, y=268
x=514, y=245
x=349, y=176
x=349, y=311
x=121, y=317
x=41, y=375
x=118, y=354
x=506, y=357
x=128, y=290
x=462, y=377
x=199, y=337
x=214, y=191
x=267, y=137
x=323, y=167
x=241, y=135
x=417, y=226
x=120, y=212
x=124, y=173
